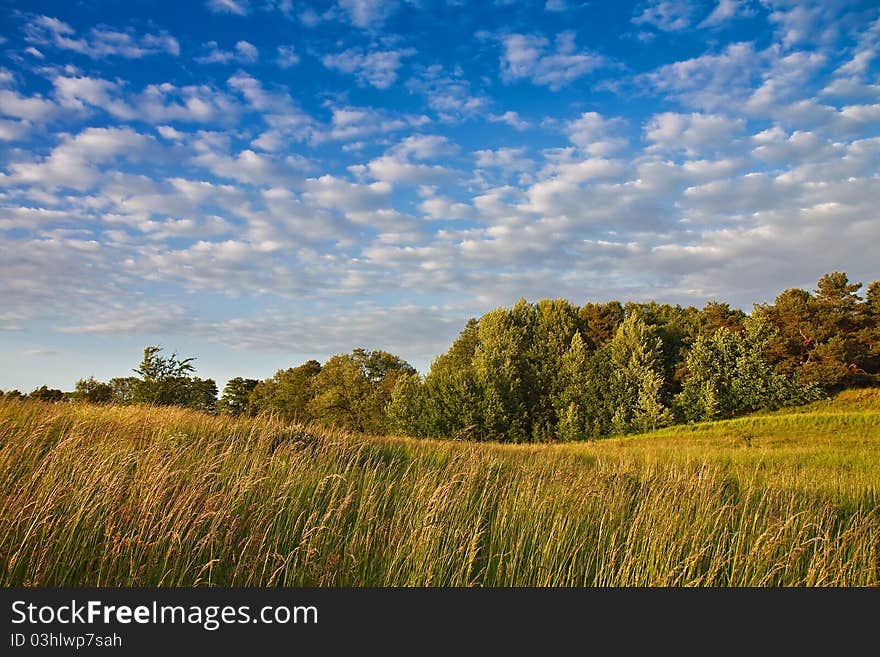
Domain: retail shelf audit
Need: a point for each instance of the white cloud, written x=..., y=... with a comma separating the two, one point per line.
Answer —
x=710, y=82
x=14, y=130
x=443, y=208
x=411, y=331
x=510, y=160
x=377, y=67
x=352, y=123
x=73, y=162
x=666, y=15
x=253, y=168
x=157, y=103
x=725, y=10
x=238, y=7
x=367, y=14
x=287, y=122
x=693, y=133
x=595, y=134
x=527, y=56
x=287, y=57
x=332, y=192
x=392, y=169
x=100, y=42
x=31, y=108
x=425, y=147
x=448, y=94
x=511, y=118
x=243, y=52
x=804, y=21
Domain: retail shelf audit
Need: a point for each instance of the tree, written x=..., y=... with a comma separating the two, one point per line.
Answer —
x=123, y=389
x=46, y=394
x=165, y=381
x=636, y=378
x=287, y=394
x=199, y=394
x=343, y=396
x=506, y=373
x=730, y=374
x=600, y=322
x=556, y=323
x=236, y=396
x=354, y=390
x=869, y=334
x=573, y=394
x=407, y=409
x=92, y=391
x=716, y=315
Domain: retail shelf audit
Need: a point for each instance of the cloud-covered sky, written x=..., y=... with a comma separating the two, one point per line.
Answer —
x=256, y=182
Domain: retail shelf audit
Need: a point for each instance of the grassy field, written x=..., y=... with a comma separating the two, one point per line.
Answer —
x=160, y=497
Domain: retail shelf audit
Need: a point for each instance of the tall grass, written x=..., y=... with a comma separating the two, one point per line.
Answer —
x=165, y=497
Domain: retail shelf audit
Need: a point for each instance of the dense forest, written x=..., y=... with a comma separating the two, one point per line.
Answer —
x=553, y=370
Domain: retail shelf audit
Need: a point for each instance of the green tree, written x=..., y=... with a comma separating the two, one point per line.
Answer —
x=236, y=396
x=163, y=380
x=506, y=373
x=124, y=389
x=572, y=398
x=869, y=334
x=637, y=385
x=199, y=394
x=288, y=393
x=556, y=322
x=408, y=411
x=600, y=322
x=92, y=391
x=46, y=394
x=354, y=390
x=730, y=374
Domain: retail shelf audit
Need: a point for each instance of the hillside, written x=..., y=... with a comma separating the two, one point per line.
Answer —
x=139, y=496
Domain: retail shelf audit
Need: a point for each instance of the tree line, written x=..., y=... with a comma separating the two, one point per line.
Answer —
x=552, y=370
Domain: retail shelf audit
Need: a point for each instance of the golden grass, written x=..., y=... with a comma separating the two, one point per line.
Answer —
x=167, y=497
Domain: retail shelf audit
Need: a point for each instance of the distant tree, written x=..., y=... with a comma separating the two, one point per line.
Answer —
x=636, y=386
x=574, y=392
x=716, y=315
x=14, y=394
x=236, y=396
x=287, y=394
x=46, y=394
x=869, y=334
x=163, y=380
x=820, y=337
x=343, y=396
x=92, y=391
x=556, y=322
x=729, y=374
x=795, y=336
x=408, y=410
x=354, y=390
x=600, y=322
x=199, y=394
x=448, y=402
x=506, y=373
x=124, y=389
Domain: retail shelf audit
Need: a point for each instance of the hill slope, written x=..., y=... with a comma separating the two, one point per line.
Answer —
x=139, y=496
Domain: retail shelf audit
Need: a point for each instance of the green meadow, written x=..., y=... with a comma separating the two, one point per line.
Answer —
x=142, y=496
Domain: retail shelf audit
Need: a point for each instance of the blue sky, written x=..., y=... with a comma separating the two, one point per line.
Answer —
x=259, y=182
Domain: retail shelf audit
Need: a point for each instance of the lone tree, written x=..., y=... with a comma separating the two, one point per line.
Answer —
x=165, y=381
